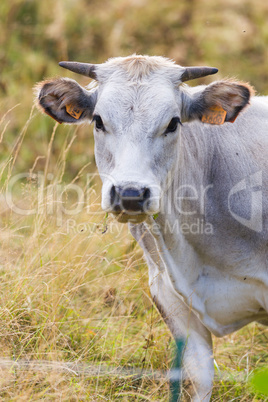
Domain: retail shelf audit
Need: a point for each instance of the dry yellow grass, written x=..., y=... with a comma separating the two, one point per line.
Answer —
x=74, y=290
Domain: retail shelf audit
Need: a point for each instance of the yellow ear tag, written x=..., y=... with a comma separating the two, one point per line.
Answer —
x=214, y=115
x=73, y=111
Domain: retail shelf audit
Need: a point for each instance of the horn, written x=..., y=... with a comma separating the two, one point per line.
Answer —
x=190, y=73
x=89, y=70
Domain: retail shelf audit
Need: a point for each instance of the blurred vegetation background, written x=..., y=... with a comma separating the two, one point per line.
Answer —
x=34, y=36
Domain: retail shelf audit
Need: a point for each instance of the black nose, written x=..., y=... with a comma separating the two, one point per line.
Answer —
x=129, y=199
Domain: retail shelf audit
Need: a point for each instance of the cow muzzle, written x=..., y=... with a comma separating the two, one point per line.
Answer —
x=130, y=200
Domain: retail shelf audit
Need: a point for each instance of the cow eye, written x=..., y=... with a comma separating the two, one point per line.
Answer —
x=98, y=122
x=173, y=125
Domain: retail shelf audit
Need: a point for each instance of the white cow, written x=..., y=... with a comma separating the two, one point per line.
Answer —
x=161, y=148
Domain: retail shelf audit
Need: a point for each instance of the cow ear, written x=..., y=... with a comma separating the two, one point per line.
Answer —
x=65, y=100
x=219, y=102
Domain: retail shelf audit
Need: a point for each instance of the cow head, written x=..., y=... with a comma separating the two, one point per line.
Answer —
x=138, y=108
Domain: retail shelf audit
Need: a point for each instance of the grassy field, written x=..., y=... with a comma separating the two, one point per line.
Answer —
x=74, y=297
x=74, y=287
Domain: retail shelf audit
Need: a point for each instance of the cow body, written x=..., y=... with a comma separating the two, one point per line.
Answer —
x=214, y=280
x=226, y=263
x=207, y=248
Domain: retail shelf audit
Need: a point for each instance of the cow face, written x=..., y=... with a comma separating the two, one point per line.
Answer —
x=137, y=110
x=136, y=134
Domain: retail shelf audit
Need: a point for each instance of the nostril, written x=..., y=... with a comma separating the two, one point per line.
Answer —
x=115, y=198
x=146, y=194
x=112, y=195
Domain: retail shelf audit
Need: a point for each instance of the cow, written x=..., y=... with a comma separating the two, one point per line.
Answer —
x=189, y=173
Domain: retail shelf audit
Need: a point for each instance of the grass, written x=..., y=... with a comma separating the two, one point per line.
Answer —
x=74, y=292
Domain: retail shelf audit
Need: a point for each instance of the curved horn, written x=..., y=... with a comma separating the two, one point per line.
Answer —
x=190, y=73
x=89, y=70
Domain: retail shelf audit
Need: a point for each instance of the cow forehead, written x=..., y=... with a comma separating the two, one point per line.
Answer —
x=137, y=100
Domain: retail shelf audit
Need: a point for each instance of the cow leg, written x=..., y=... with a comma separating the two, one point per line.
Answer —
x=198, y=364
x=198, y=367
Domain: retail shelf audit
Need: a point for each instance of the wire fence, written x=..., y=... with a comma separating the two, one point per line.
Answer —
x=174, y=376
